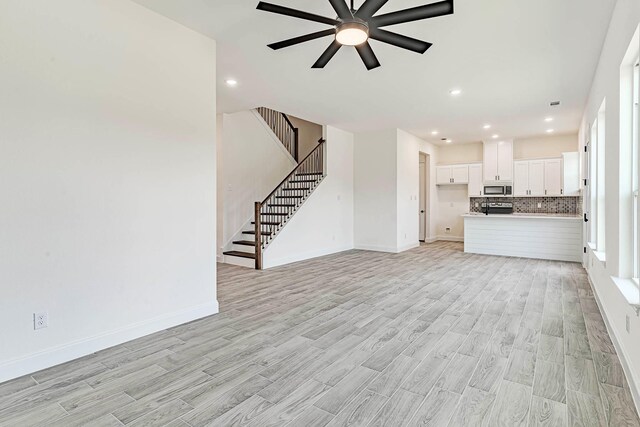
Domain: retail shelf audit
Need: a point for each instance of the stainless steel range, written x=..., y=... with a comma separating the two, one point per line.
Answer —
x=505, y=208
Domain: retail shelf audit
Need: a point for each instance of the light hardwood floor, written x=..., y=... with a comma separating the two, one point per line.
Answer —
x=429, y=337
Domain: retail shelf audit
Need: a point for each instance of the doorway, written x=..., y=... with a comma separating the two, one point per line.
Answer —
x=423, y=204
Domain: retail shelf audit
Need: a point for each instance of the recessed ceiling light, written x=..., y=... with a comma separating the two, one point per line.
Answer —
x=495, y=136
x=548, y=119
x=486, y=127
x=231, y=82
x=434, y=133
x=550, y=130
x=455, y=92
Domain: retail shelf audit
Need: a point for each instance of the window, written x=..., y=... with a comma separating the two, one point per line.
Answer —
x=596, y=178
x=601, y=182
x=635, y=155
x=592, y=180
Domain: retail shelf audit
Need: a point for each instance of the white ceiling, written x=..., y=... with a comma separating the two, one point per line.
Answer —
x=511, y=58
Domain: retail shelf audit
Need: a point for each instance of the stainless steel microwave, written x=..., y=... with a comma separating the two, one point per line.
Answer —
x=498, y=190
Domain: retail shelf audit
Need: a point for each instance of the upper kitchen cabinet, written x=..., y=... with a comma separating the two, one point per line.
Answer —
x=453, y=174
x=571, y=173
x=498, y=161
x=553, y=177
x=476, y=187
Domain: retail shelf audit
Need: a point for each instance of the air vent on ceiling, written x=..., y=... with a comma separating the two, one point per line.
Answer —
x=555, y=103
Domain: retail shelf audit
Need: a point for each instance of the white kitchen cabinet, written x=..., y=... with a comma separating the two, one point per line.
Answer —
x=460, y=174
x=538, y=178
x=443, y=175
x=571, y=174
x=553, y=177
x=521, y=178
x=505, y=161
x=454, y=174
x=490, y=161
x=498, y=161
x=476, y=187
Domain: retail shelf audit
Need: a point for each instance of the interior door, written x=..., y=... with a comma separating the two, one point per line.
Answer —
x=536, y=178
x=521, y=179
x=490, y=161
x=553, y=177
x=422, y=200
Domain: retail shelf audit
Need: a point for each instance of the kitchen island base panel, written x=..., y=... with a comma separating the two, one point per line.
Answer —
x=550, y=238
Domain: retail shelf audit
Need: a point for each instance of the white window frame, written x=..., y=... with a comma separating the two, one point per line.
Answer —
x=635, y=173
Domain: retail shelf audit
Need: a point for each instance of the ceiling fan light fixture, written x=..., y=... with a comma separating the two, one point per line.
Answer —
x=352, y=33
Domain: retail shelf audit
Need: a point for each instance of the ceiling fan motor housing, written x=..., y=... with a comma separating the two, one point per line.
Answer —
x=352, y=32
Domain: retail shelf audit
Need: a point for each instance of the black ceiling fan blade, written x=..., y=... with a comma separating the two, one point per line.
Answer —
x=327, y=55
x=399, y=40
x=301, y=39
x=367, y=56
x=432, y=10
x=341, y=8
x=281, y=10
x=369, y=8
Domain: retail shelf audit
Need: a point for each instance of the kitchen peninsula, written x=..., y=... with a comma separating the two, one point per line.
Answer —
x=540, y=236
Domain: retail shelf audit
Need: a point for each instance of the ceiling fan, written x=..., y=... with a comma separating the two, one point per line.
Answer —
x=355, y=27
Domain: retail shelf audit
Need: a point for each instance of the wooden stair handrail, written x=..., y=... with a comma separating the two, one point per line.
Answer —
x=320, y=142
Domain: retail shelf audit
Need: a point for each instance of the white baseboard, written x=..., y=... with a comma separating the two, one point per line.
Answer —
x=408, y=247
x=267, y=262
x=431, y=240
x=64, y=353
x=634, y=387
x=450, y=238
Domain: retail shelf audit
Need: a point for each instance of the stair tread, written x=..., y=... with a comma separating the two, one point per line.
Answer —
x=264, y=233
x=241, y=254
x=245, y=242
x=309, y=173
x=267, y=223
x=274, y=213
x=303, y=180
x=297, y=189
x=282, y=205
x=289, y=197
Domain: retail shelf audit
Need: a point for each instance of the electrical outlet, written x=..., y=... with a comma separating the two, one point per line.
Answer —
x=539, y=205
x=447, y=230
x=477, y=205
x=40, y=320
x=628, y=324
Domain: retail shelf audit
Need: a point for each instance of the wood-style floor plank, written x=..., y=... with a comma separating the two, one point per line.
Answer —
x=428, y=337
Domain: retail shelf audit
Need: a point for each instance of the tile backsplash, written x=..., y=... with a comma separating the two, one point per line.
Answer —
x=551, y=205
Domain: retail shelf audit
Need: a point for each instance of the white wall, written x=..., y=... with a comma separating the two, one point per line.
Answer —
x=606, y=84
x=461, y=153
x=408, y=164
x=324, y=223
x=308, y=135
x=375, y=190
x=453, y=202
x=107, y=176
x=545, y=146
x=387, y=165
x=254, y=163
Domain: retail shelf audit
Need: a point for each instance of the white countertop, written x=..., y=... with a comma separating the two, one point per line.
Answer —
x=526, y=216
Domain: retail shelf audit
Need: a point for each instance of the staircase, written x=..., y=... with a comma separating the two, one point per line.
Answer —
x=283, y=128
x=275, y=211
